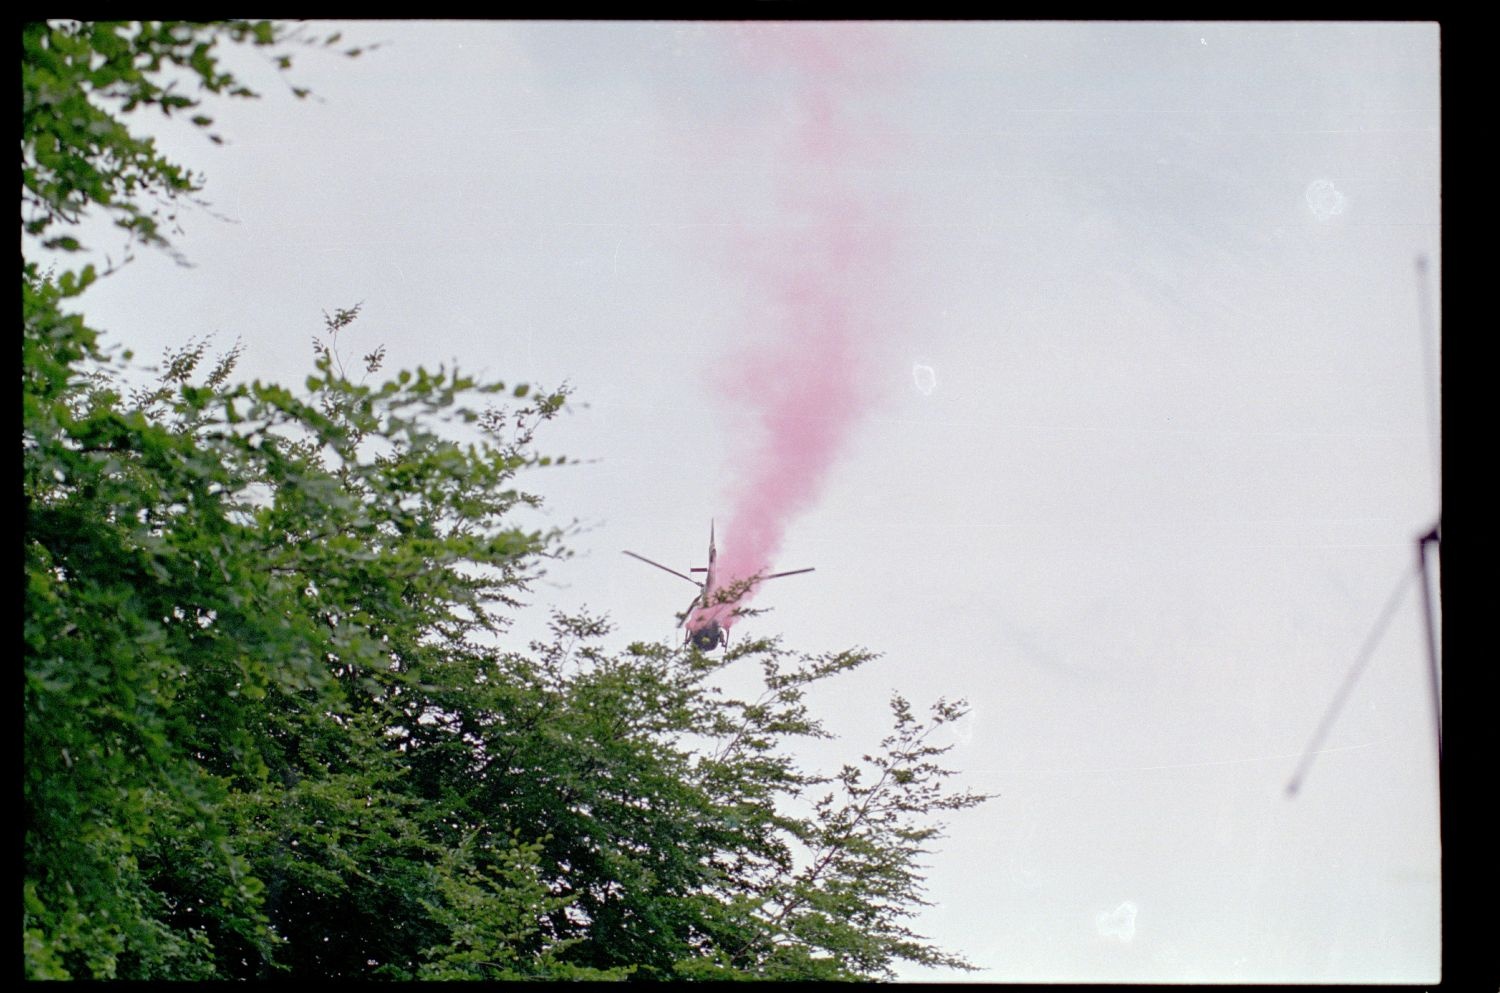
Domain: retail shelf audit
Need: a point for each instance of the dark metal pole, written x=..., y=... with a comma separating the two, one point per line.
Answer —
x=1430, y=380
x=1432, y=655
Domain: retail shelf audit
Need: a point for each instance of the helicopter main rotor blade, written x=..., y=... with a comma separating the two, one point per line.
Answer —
x=794, y=572
x=688, y=613
x=664, y=568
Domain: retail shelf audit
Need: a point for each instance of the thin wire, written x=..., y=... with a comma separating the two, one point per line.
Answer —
x=1366, y=652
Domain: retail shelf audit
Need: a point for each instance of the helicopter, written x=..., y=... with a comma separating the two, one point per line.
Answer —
x=713, y=602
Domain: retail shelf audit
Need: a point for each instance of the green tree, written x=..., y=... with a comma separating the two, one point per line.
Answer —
x=671, y=811
x=225, y=583
x=81, y=85
x=274, y=721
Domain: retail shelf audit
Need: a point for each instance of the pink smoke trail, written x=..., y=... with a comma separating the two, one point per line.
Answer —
x=823, y=271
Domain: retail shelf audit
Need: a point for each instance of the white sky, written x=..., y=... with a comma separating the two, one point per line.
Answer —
x=1173, y=462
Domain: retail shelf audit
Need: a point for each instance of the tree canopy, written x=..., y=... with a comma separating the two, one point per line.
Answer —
x=275, y=723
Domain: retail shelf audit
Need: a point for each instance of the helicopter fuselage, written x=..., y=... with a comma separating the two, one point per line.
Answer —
x=708, y=637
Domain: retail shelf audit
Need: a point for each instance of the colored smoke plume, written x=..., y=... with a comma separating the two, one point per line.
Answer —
x=820, y=277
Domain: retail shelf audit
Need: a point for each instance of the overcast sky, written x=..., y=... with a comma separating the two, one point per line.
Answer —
x=1143, y=438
